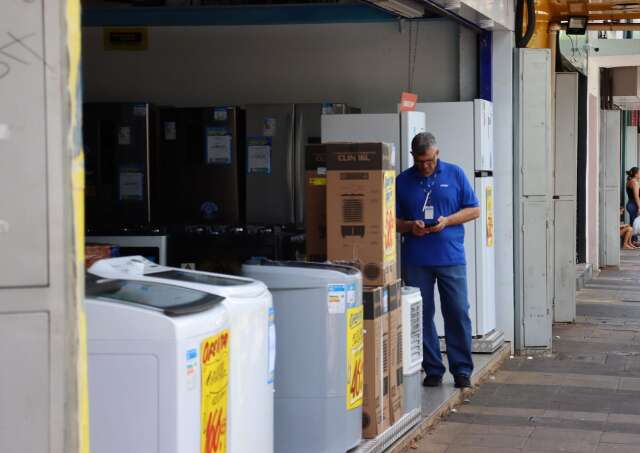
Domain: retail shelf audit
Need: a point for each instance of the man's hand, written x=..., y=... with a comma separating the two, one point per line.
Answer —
x=418, y=228
x=442, y=224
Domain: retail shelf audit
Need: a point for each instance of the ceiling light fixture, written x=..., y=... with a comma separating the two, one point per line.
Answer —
x=577, y=25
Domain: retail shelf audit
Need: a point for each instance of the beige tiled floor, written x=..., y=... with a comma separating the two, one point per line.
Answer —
x=583, y=398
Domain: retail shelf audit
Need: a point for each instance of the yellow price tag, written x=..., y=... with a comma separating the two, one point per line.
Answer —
x=355, y=357
x=489, y=207
x=214, y=365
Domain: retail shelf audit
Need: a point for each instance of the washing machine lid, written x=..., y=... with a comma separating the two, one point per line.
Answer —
x=204, y=279
x=170, y=300
x=344, y=269
x=137, y=266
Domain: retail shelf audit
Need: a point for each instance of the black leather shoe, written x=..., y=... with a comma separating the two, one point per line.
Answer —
x=462, y=381
x=432, y=381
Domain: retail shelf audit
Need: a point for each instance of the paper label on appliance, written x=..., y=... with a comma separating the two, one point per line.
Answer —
x=271, y=362
x=489, y=208
x=170, y=131
x=131, y=185
x=259, y=156
x=322, y=171
x=351, y=295
x=218, y=147
x=269, y=127
x=336, y=299
x=214, y=365
x=124, y=135
x=191, y=368
x=220, y=114
x=355, y=357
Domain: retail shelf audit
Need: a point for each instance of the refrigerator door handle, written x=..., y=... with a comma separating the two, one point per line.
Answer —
x=299, y=150
x=290, y=166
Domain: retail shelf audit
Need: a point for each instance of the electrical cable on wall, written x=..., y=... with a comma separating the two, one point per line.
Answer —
x=413, y=52
x=523, y=40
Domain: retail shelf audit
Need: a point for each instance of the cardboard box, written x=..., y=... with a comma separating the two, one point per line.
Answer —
x=315, y=202
x=396, y=387
x=361, y=220
x=375, y=408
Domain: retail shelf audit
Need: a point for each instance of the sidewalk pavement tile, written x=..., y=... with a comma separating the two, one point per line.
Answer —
x=621, y=438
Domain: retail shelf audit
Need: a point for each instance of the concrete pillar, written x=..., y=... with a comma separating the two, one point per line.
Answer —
x=503, y=44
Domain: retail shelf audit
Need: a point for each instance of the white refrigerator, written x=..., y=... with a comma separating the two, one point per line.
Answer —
x=464, y=134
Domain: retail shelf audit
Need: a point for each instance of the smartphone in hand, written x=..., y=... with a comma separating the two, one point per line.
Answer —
x=430, y=223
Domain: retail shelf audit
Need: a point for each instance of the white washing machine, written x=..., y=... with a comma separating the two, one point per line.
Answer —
x=151, y=371
x=412, y=347
x=319, y=386
x=252, y=353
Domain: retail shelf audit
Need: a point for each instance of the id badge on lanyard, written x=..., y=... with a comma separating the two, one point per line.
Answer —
x=427, y=208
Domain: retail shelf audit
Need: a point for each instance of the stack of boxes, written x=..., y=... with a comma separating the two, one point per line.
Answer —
x=361, y=230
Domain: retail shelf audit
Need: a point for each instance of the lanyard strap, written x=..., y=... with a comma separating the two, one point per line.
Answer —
x=426, y=200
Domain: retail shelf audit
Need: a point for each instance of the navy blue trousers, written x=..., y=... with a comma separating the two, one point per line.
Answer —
x=452, y=286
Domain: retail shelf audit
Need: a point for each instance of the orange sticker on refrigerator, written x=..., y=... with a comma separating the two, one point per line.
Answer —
x=214, y=357
x=489, y=208
x=355, y=356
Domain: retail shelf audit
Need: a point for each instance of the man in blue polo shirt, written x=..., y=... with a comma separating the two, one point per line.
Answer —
x=434, y=200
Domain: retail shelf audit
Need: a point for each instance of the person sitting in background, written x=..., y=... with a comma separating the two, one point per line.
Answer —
x=626, y=232
x=633, y=193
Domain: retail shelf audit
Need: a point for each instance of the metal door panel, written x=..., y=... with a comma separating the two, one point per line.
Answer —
x=24, y=351
x=610, y=150
x=564, y=303
x=631, y=147
x=23, y=150
x=270, y=197
x=566, y=134
x=533, y=120
x=536, y=310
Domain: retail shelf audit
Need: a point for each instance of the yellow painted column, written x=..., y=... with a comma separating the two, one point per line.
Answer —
x=540, y=38
x=74, y=142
